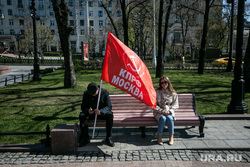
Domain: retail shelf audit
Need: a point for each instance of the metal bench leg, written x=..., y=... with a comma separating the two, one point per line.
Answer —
x=202, y=121
x=143, y=134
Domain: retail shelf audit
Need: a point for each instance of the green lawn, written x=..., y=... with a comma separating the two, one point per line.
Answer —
x=30, y=106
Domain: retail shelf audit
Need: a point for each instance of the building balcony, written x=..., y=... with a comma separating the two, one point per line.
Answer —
x=19, y=16
x=6, y=37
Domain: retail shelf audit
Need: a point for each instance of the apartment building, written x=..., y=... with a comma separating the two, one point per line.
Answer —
x=89, y=21
x=87, y=17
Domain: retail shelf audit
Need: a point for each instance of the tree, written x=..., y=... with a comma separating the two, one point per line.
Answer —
x=202, y=50
x=162, y=43
x=186, y=11
x=126, y=8
x=62, y=19
x=44, y=37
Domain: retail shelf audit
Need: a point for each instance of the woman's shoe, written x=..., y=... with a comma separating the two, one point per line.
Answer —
x=159, y=140
x=171, y=139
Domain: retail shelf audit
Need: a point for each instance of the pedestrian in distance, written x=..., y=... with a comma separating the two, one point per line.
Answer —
x=167, y=103
x=89, y=110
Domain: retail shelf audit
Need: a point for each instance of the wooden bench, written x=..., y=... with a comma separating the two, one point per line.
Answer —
x=130, y=112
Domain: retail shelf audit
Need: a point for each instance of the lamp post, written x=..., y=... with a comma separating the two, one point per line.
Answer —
x=237, y=104
x=230, y=63
x=36, y=75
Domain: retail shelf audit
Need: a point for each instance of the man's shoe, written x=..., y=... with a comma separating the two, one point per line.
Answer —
x=109, y=142
x=84, y=142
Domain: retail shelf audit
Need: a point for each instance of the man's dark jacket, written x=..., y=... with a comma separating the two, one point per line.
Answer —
x=88, y=101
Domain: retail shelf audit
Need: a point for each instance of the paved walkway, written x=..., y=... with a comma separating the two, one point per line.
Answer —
x=226, y=143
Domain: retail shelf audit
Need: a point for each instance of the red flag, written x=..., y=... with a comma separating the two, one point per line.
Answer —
x=123, y=69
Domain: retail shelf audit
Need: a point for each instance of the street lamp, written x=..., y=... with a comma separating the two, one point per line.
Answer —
x=230, y=63
x=36, y=75
x=237, y=104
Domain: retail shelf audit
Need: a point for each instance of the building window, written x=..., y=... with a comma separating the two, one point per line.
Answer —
x=12, y=32
x=11, y=23
x=110, y=4
x=71, y=23
x=81, y=3
x=100, y=32
x=22, y=32
x=91, y=22
x=42, y=22
x=81, y=22
x=40, y=4
x=119, y=13
x=177, y=36
x=29, y=3
x=91, y=31
x=10, y=13
x=51, y=13
x=71, y=3
x=91, y=4
x=100, y=23
x=99, y=3
x=81, y=12
x=42, y=13
x=90, y=13
x=20, y=3
x=52, y=22
x=52, y=32
x=82, y=32
x=9, y=2
x=21, y=22
x=1, y=22
x=20, y=11
x=71, y=13
x=50, y=3
x=1, y=32
x=100, y=13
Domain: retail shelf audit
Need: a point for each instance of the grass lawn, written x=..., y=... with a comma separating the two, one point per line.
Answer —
x=30, y=106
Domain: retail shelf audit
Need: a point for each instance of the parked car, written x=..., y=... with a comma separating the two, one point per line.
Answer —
x=222, y=62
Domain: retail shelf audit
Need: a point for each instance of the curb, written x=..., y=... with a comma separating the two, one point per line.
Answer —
x=227, y=117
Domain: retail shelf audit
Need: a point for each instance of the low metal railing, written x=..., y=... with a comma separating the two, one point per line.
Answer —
x=14, y=79
x=47, y=133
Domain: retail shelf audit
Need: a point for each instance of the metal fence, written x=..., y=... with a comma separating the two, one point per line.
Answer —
x=42, y=61
x=12, y=79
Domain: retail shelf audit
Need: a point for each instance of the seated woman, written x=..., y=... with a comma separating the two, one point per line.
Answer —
x=167, y=103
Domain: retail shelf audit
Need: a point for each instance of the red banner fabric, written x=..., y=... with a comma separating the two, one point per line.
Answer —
x=123, y=69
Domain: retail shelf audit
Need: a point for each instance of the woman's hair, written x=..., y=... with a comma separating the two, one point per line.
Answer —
x=170, y=87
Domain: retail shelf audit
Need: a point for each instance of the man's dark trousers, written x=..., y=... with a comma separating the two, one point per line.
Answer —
x=84, y=124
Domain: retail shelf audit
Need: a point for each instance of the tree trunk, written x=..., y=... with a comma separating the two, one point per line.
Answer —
x=160, y=67
x=202, y=51
x=124, y=21
x=166, y=30
x=247, y=66
x=62, y=19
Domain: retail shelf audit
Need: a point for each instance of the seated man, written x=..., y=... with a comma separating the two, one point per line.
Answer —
x=88, y=107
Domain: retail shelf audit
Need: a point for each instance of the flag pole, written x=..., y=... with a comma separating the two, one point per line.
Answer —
x=99, y=94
